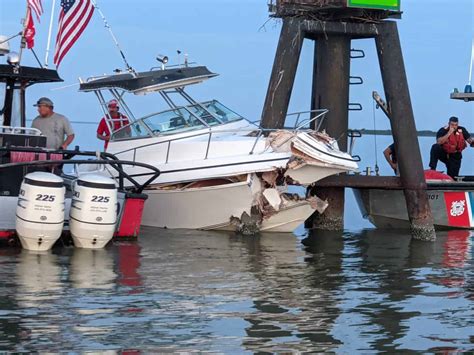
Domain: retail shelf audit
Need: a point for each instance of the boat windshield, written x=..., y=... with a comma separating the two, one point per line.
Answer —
x=181, y=119
x=190, y=118
x=133, y=130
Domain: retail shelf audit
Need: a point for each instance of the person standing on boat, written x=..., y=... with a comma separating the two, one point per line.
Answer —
x=57, y=128
x=450, y=142
x=114, y=119
x=391, y=156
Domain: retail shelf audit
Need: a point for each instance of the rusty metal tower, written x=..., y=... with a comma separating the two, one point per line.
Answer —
x=333, y=25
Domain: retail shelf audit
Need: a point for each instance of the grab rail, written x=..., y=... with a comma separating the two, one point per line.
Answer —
x=20, y=130
x=105, y=159
x=320, y=113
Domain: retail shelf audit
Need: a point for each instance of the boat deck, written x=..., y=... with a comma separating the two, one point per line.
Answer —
x=390, y=182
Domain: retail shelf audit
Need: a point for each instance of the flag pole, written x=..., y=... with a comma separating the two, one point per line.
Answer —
x=106, y=24
x=472, y=62
x=23, y=40
x=49, y=34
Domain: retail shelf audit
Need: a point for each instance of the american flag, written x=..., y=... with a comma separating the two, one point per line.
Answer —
x=73, y=19
x=36, y=7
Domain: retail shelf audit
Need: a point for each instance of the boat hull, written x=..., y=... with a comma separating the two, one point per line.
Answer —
x=228, y=207
x=199, y=208
x=451, y=208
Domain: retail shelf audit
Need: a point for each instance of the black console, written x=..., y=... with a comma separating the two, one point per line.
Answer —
x=10, y=179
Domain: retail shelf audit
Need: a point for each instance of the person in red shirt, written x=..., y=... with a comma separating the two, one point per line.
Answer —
x=115, y=120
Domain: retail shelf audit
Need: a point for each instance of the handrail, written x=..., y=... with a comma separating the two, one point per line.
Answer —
x=261, y=131
x=322, y=114
x=353, y=134
x=106, y=159
x=17, y=130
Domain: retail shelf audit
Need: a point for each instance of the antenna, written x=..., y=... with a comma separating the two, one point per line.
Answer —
x=472, y=62
x=23, y=40
x=106, y=24
x=48, y=45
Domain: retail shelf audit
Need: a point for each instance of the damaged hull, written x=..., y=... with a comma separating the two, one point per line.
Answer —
x=232, y=206
x=196, y=208
x=237, y=181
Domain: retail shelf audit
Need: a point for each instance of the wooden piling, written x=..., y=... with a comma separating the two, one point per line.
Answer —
x=309, y=19
x=331, y=74
x=283, y=74
x=403, y=126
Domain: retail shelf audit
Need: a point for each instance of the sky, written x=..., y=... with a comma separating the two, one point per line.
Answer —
x=237, y=40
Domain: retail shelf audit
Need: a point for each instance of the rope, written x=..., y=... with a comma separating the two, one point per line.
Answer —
x=375, y=140
x=117, y=44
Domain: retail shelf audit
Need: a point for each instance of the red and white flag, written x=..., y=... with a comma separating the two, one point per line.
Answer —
x=29, y=32
x=73, y=19
x=36, y=7
x=458, y=209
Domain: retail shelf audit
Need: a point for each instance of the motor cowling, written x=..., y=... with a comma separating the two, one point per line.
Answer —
x=40, y=210
x=93, y=213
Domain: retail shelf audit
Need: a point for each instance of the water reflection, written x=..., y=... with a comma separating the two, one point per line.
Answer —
x=296, y=308
x=393, y=289
x=186, y=290
x=38, y=279
x=129, y=264
x=92, y=269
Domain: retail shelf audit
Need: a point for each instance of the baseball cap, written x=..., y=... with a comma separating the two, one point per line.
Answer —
x=44, y=101
x=112, y=103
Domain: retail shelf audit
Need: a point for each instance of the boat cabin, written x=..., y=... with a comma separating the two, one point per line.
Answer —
x=14, y=80
x=166, y=82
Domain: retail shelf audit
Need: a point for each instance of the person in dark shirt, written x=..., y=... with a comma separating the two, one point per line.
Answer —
x=391, y=156
x=450, y=142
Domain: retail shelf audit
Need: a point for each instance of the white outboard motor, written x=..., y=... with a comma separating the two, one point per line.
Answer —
x=93, y=214
x=40, y=210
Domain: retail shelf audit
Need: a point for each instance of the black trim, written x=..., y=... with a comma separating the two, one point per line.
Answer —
x=41, y=222
x=132, y=195
x=99, y=224
x=143, y=80
x=30, y=75
x=96, y=185
x=43, y=183
x=451, y=186
x=213, y=166
x=331, y=155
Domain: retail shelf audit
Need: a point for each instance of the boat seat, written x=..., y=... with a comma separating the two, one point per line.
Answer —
x=18, y=157
x=177, y=122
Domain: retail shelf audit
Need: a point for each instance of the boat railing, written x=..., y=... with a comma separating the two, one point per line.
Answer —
x=314, y=115
x=101, y=158
x=258, y=133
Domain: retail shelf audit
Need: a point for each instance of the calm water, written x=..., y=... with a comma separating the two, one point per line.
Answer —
x=181, y=291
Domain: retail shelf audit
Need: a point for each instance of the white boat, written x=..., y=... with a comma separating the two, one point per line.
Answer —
x=216, y=166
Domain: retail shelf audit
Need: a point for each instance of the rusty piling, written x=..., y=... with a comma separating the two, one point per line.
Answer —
x=403, y=127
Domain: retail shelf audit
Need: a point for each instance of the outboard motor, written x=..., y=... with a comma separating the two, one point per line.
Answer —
x=40, y=210
x=93, y=213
